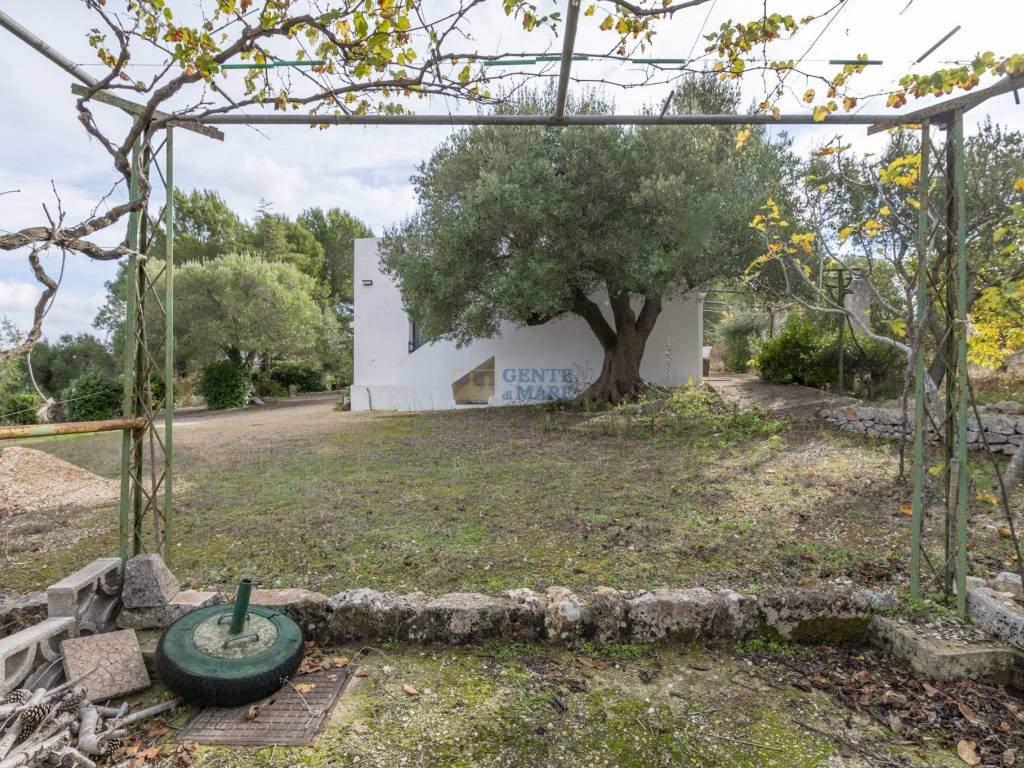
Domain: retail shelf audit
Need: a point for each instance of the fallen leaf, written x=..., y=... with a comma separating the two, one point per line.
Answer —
x=895, y=723
x=151, y=754
x=969, y=714
x=906, y=509
x=341, y=661
x=362, y=673
x=966, y=751
x=305, y=687
x=930, y=689
x=1009, y=757
x=592, y=663
x=252, y=713
x=332, y=678
x=1005, y=533
x=155, y=730
x=410, y=690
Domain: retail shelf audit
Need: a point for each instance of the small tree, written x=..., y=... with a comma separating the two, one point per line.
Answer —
x=528, y=224
x=243, y=308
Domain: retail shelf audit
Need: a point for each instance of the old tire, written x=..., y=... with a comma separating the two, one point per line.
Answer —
x=204, y=679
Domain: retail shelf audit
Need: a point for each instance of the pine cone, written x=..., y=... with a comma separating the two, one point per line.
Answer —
x=31, y=717
x=17, y=696
x=112, y=746
x=71, y=701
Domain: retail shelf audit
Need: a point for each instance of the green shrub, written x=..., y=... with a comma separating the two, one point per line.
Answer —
x=225, y=385
x=790, y=356
x=267, y=387
x=158, y=393
x=20, y=408
x=739, y=334
x=806, y=351
x=91, y=397
x=304, y=376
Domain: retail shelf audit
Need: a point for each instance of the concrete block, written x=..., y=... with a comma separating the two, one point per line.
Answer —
x=91, y=596
x=148, y=583
x=22, y=651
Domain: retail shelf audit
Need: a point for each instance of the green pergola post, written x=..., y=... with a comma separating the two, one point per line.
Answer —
x=128, y=409
x=917, y=502
x=963, y=385
x=168, y=341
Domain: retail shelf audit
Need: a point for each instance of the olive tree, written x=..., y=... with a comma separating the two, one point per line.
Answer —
x=527, y=224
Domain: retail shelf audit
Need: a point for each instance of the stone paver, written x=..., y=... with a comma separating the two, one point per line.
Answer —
x=109, y=665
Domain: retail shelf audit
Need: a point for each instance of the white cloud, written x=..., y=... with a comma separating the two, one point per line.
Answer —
x=70, y=312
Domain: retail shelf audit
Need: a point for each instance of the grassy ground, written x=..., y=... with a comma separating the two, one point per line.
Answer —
x=511, y=705
x=496, y=499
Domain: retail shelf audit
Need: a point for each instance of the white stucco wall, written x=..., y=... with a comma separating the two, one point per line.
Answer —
x=531, y=364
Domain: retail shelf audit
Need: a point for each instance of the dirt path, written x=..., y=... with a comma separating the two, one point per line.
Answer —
x=785, y=399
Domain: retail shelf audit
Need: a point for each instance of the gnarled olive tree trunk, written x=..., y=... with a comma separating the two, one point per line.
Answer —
x=623, y=345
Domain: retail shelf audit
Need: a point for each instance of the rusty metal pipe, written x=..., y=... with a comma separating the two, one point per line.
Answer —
x=17, y=432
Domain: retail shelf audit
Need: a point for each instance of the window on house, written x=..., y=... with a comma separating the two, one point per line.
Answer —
x=416, y=339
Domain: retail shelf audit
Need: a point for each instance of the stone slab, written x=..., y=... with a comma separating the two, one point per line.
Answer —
x=161, y=617
x=940, y=659
x=148, y=583
x=111, y=664
x=1005, y=581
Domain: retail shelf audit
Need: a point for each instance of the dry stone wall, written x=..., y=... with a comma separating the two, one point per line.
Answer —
x=1004, y=432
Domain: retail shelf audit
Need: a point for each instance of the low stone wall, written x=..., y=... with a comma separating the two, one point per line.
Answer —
x=1003, y=432
x=828, y=613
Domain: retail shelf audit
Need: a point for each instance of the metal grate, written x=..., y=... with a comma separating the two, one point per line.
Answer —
x=283, y=719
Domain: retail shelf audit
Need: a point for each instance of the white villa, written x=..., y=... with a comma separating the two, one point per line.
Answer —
x=395, y=370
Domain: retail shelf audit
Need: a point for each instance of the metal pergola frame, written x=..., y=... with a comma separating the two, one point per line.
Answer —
x=139, y=364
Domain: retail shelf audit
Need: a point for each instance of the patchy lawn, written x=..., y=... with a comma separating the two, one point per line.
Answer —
x=622, y=706
x=303, y=494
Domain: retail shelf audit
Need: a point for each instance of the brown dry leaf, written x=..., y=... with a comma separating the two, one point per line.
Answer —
x=895, y=723
x=906, y=510
x=1005, y=533
x=591, y=663
x=155, y=729
x=305, y=687
x=969, y=714
x=341, y=661
x=1009, y=757
x=332, y=678
x=966, y=751
x=362, y=673
x=930, y=689
x=151, y=754
x=410, y=690
x=252, y=713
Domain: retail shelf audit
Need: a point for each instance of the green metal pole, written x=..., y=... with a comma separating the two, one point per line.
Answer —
x=128, y=396
x=168, y=346
x=841, y=299
x=963, y=501
x=241, y=608
x=917, y=502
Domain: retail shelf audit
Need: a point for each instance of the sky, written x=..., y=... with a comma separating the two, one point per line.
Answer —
x=366, y=170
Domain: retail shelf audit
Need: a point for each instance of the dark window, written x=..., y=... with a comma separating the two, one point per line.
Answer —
x=416, y=339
